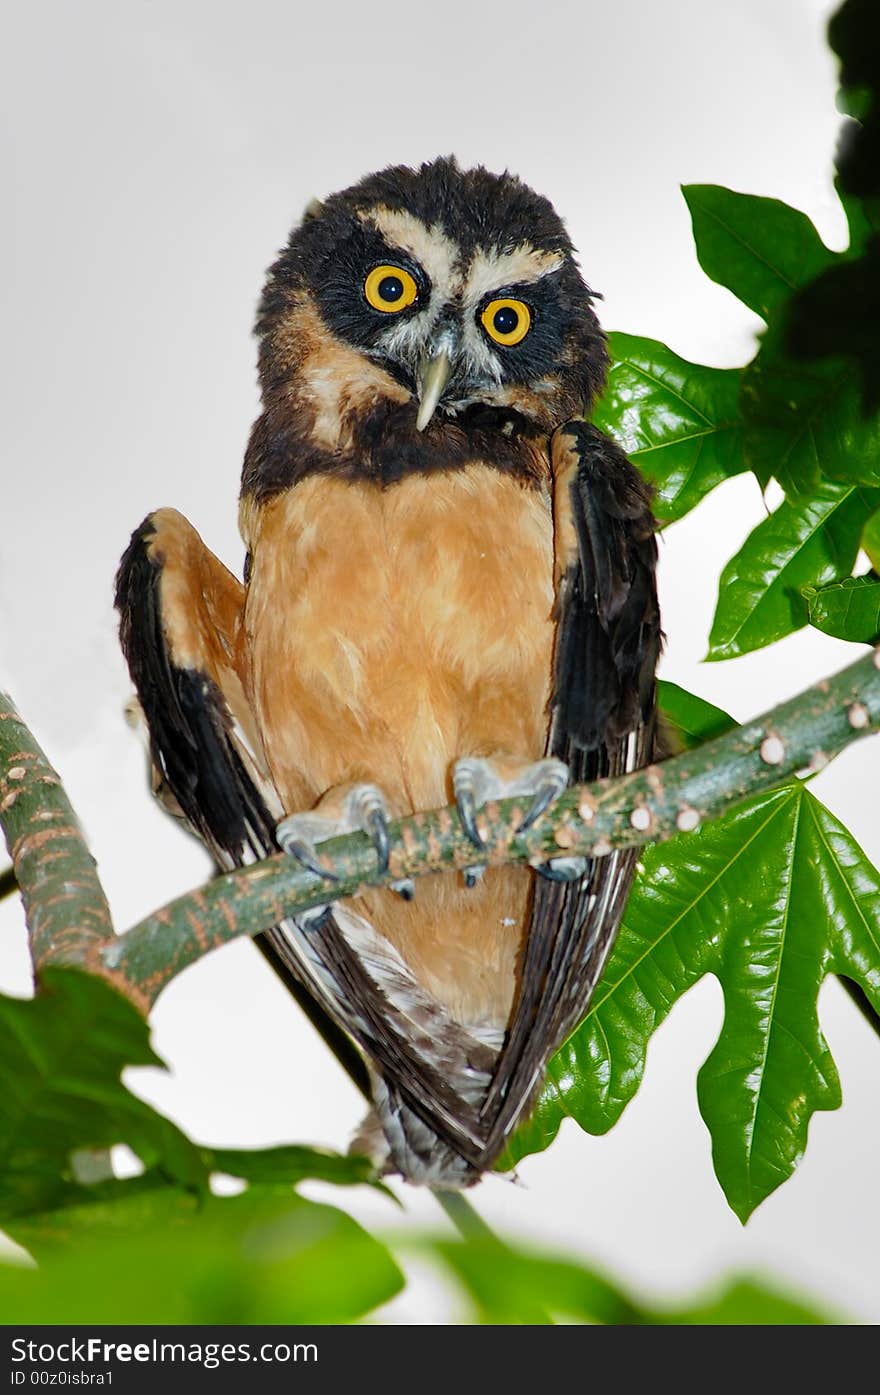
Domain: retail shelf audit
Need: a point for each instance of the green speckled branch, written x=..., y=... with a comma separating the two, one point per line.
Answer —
x=68, y=918
x=67, y=912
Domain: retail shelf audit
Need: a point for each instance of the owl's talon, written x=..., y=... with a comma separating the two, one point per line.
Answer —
x=405, y=888
x=473, y=875
x=368, y=811
x=465, y=785
x=363, y=809
x=467, y=812
x=562, y=869
x=476, y=780
x=302, y=850
x=553, y=781
x=377, y=828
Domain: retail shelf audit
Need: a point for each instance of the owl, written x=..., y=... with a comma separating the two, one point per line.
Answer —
x=448, y=597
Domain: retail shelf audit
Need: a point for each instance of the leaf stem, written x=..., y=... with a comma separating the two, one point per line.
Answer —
x=468, y=1222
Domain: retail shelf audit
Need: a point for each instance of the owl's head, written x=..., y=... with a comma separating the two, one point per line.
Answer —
x=426, y=298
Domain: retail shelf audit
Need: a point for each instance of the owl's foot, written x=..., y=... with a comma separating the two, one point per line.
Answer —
x=476, y=781
x=357, y=808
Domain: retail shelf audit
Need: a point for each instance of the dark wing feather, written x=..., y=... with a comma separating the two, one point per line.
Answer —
x=602, y=720
x=202, y=762
x=191, y=733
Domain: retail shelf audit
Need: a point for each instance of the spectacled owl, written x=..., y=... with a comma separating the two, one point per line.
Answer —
x=449, y=594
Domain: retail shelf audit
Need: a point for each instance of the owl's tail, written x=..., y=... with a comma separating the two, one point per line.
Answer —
x=397, y=1140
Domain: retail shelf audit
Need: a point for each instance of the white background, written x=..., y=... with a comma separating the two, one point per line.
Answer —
x=157, y=155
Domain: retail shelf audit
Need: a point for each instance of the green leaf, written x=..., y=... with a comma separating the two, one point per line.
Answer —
x=62, y=1055
x=516, y=1285
x=862, y=220
x=691, y=719
x=507, y=1284
x=293, y=1163
x=62, y=1099
x=803, y=421
x=760, y=595
x=266, y=1256
x=771, y=1067
x=759, y=248
x=748, y=1302
x=871, y=540
x=771, y=898
x=848, y=609
x=678, y=421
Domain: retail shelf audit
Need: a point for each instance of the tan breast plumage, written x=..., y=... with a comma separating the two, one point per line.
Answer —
x=392, y=631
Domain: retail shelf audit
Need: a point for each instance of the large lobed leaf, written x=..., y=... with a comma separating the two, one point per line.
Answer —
x=62, y=1054
x=157, y=1247
x=269, y=1256
x=771, y=898
x=523, y=1286
x=165, y=1256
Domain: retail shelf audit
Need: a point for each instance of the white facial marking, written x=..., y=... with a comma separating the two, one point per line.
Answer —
x=452, y=285
x=493, y=269
x=437, y=255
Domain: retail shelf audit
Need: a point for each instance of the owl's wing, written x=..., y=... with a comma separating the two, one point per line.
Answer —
x=182, y=632
x=602, y=723
x=181, y=615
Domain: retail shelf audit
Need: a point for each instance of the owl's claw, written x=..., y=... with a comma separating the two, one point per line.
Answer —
x=304, y=852
x=370, y=813
x=467, y=812
x=467, y=788
x=469, y=785
x=562, y=869
x=553, y=780
x=364, y=809
x=476, y=781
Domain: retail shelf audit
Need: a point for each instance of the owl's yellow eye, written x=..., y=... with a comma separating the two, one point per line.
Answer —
x=390, y=288
x=506, y=321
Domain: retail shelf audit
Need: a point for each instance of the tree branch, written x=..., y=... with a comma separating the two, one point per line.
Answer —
x=646, y=806
x=65, y=907
x=69, y=921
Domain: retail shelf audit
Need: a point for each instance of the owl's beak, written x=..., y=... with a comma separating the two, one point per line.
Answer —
x=433, y=377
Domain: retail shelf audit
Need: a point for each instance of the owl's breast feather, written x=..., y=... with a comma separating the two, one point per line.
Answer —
x=403, y=626
x=391, y=632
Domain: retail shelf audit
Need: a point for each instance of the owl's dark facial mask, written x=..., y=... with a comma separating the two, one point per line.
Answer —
x=407, y=267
